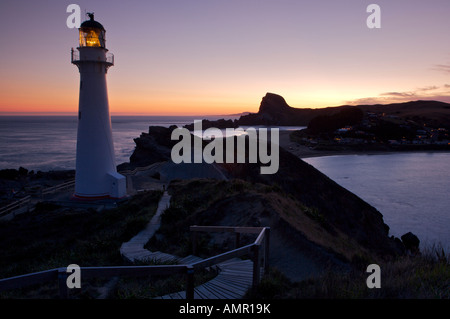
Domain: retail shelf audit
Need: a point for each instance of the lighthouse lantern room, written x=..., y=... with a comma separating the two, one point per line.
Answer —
x=96, y=174
x=92, y=33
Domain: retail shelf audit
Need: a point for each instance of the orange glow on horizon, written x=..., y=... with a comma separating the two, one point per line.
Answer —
x=38, y=100
x=157, y=106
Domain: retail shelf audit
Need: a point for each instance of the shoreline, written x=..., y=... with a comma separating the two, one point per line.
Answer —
x=302, y=151
x=295, y=148
x=32, y=185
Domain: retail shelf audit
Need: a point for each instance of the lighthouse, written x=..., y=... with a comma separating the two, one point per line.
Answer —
x=96, y=175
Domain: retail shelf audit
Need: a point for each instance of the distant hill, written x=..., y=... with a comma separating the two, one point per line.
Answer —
x=274, y=110
x=432, y=113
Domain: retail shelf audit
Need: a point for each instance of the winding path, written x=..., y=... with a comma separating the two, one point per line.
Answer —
x=134, y=250
x=232, y=282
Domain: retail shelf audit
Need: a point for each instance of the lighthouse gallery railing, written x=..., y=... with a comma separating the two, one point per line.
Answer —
x=75, y=57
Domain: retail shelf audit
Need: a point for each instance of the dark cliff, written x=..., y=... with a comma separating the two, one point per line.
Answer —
x=274, y=110
x=154, y=146
x=337, y=208
x=339, y=212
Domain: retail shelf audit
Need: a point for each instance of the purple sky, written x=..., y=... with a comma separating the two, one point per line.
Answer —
x=221, y=57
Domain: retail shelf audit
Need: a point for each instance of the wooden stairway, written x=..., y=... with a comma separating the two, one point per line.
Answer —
x=232, y=282
x=235, y=275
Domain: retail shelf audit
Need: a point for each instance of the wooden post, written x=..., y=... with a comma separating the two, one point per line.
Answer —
x=194, y=242
x=266, y=249
x=62, y=283
x=256, y=265
x=190, y=283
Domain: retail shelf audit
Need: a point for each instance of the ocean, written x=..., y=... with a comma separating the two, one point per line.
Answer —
x=49, y=142
x=411, y=190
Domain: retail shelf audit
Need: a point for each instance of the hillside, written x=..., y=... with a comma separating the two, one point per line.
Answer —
x=274, y=110
x=305, y=241
x=339, y=207
x=299, y=180
x=311, y=215
x=316, y=225
x=430, y=113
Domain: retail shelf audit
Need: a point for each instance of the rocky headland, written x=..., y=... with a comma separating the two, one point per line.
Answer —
x=410, y=126
x=313, y=219
x=340, y=212
x=315, y=222
x=274, y=110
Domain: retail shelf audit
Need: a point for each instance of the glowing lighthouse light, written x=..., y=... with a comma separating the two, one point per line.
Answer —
x=96, y=174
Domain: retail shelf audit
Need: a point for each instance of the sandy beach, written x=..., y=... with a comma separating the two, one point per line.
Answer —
x=304, y=152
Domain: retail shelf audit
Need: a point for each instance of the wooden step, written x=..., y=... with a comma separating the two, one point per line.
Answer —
x=189, y=259
x=232, y=282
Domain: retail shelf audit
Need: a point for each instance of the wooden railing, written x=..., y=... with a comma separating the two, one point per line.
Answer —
x=140, y=169
x=70, y=184
x=61, y=187
x=260, y=257
x=15, y=205
x=60, y=274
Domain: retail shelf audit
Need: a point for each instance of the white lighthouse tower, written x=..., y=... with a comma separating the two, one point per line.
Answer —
x=96, y=175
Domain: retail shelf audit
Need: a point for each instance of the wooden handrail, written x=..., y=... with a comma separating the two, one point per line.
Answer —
x=139, y=169
x=253, y=249
x=238, y=252
x=66, y=185
x=138, y=271
x=260, y=237
x=60, y=274
x=14, y=205
x=28, y=279
x=231, y=229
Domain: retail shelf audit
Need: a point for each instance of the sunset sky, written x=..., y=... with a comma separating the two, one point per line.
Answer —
x=208, y=57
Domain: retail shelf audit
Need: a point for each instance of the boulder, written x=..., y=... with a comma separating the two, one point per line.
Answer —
x=411, y=242
x=154, y=146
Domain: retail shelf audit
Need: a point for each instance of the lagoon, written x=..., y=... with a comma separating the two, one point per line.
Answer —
x=411, y=190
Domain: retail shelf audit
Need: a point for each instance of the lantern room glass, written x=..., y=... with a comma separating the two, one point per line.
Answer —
x=92, y=37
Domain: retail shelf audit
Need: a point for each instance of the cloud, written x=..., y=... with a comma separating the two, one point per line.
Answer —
x=442, y=67
x=398, y=94
x=428, y=88
x=438, y=93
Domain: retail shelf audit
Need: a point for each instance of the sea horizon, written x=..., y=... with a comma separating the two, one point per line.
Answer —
x=49, y=142
x=71, y=114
